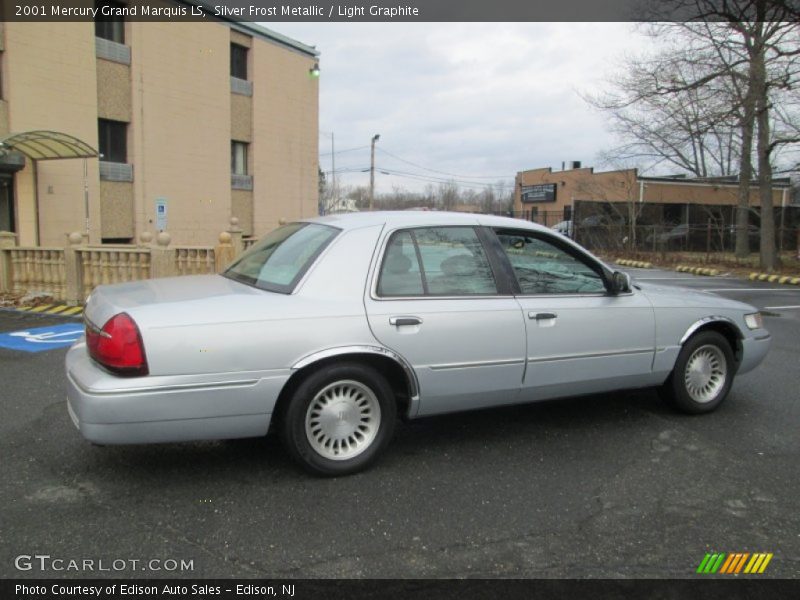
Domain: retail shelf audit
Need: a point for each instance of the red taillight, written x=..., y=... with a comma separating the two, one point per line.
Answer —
x=118, y=346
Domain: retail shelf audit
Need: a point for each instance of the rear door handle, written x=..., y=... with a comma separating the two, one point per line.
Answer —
x=400, y=321
x=541, y=316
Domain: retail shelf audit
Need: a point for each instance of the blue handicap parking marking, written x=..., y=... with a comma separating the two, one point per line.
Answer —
x=41, y=338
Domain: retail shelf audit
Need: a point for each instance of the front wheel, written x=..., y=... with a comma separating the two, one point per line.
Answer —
x=339, y=419
x=703, y=374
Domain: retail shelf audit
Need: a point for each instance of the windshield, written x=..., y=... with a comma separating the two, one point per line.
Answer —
x=278, y=261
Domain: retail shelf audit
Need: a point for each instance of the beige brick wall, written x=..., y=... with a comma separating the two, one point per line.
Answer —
x=48, y=88
x=285, y=132
x=242, y=209
x=181, y=127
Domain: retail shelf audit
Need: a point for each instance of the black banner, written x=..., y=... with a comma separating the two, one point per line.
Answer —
x=394, y=10
x=410, y=589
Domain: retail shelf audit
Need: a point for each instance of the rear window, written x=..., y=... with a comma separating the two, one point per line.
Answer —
x=278, y=261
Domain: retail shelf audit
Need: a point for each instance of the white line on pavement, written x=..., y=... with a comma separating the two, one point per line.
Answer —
x=695, y=278
x=780, y=307
x=751, y=290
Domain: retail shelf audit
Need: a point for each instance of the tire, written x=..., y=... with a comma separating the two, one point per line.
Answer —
x=339, y=419
x=703, y=374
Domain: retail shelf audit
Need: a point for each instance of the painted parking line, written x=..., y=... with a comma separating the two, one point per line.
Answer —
x=751, y=290
x=39, y=339
x=694, y=278
x=782, y=307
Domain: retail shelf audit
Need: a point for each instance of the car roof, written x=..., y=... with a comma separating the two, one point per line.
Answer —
x=415, y=218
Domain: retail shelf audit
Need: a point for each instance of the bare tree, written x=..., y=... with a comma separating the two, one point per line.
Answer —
x=698, y=103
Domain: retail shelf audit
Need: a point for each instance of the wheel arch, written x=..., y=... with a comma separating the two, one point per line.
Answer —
x=392, y=366
x=725, y=326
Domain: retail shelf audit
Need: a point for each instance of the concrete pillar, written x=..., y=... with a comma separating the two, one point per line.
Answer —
x=236, y=237
x=73, y=284
x=162, y=258
x=7, y=240
x=224, y=252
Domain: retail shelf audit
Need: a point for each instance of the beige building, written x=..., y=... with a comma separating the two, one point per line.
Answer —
x=199, y=121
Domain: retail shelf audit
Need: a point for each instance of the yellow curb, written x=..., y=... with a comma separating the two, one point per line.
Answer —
x=753, y=276
x=73, y=311
x=795, y=280
x=41, y=308
x=763, y=276
x=773, y=278
x=784, y=279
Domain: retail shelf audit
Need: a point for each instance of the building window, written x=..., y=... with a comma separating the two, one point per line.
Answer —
x=113, y=136
x=238, y=61
x=109, y=27
x=239, y=158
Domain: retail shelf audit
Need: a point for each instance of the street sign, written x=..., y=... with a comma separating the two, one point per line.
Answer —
x=161, y=214
x=41, y=338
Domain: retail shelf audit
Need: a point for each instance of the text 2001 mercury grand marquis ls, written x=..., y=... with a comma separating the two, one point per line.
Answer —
x=330, y=329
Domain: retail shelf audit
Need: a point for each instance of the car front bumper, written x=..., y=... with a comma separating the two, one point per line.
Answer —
x=754, y=349
x=108, y=409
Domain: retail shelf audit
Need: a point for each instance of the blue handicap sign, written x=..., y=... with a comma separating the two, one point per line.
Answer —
x=41, y=338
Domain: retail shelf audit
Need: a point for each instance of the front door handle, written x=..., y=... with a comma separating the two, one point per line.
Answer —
x=541, y=316
x=400, y=321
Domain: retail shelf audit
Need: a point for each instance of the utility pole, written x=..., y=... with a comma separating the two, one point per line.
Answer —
x=375, y=138
x=333, y=172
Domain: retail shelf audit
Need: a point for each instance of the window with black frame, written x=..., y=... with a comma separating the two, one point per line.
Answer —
x=109, y=27
x=113, y=140
x=239, y=61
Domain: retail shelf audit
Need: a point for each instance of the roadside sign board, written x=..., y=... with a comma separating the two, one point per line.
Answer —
x=161, y=214
x=39, y=339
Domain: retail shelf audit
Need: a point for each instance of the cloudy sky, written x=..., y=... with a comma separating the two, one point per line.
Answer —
x=480, y=101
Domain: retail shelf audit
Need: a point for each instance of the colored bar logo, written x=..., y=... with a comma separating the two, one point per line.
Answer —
x=735, y=562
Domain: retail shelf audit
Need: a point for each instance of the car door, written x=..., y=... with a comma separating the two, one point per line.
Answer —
x=580, y=338
x=438, y=300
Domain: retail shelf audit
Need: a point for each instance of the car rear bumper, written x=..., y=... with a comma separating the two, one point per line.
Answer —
x=754, y=350
x=113, y=410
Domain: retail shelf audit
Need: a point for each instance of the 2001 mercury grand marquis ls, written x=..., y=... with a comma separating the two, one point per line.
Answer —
x=331, y=328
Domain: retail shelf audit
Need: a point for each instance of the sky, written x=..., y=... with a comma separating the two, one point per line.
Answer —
x=474, y=102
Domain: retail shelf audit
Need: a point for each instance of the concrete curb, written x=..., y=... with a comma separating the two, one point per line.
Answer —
x=697, y=270
x=634, y=263
x=785, y=279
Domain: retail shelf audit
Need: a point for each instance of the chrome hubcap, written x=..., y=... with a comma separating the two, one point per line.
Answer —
x=343, y=420
x=706, y=372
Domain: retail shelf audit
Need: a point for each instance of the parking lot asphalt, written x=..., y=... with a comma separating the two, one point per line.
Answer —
x=612, y=485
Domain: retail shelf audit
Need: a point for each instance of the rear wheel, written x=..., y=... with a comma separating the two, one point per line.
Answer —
x=339, y=419
x=703, y=374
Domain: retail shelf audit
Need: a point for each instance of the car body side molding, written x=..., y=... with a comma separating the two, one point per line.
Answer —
x=411, y=377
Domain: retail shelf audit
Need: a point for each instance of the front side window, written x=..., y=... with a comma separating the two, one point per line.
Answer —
x=278, y=261
x=113, y=138
x=544, y=268
x=436, y=261
x=238, y=61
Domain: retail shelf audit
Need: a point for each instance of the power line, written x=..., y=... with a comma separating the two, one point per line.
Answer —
x=413, y=164
x=343, y=151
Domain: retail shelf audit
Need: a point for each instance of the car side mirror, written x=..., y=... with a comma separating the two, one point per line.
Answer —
x=620, y=283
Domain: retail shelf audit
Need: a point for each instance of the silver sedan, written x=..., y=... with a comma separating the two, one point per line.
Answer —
x=330, y=329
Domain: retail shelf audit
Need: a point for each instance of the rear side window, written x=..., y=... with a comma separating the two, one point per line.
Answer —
x=436, y=261
x=279, y=260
